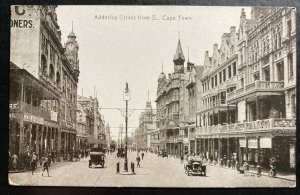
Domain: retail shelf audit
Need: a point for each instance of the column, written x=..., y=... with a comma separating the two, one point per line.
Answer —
x=246, y=149
x=227, y=114
x=219, y=149
x=200, y=145
x=213, y=118
x=237, y=149
x=213, y=147
x=258, y=150
x=236, y=112
x=228, y=148
x=58, y=142
x=196, y=146
x=30, y=136
x=208, y=146
x=257, y=108
x=204, y=149
x=246, y=108
x=21, y=133
x=219, y=116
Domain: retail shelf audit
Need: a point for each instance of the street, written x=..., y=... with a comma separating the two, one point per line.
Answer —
x=154, y=172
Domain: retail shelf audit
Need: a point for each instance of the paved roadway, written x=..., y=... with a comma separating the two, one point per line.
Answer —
x=154, y=172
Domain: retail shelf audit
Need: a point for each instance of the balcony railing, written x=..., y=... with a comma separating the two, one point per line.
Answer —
x=215, y=103
x=258, y=125
x=257, y=85
x=37, y=111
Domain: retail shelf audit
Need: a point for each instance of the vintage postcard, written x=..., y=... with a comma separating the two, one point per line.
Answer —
x=152, y=96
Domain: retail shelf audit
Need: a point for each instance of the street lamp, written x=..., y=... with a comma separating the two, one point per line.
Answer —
x=126, y=97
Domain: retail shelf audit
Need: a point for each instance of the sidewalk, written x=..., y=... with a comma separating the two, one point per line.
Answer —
x=252, y=170
x=39, y=166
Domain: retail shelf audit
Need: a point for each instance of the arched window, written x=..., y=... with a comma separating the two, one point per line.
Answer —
x=57, y=78
x=44, y=64
x=51, y=73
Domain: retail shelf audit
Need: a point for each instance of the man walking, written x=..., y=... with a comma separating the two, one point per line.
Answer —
x=14, y=159
x=142, y=155
x=138, y=159
x=45, y=165
x=33, y=162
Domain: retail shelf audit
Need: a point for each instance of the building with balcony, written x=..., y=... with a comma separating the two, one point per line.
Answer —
x=36, y=47
x=249, y=111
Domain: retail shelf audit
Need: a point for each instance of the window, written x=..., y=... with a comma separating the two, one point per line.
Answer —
x=293, y=105
x=57, y=78
x=212, y=82
x=242, y=82
x=216, y=80
x=290, y=65
x=267, y=74
x=44, y=64
x=256, y=76
x=229, y=72
x=289, y=28
x=220, y=77
x=280, y=71
x=234, y=68
x=224, y=75
x=51, y=74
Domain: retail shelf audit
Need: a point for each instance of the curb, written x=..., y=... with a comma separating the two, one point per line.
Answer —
x=38, y=167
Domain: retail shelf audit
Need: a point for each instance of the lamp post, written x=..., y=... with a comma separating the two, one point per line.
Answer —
x=126, y=97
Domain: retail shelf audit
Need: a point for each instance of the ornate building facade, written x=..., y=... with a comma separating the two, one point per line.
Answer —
x=46, y=102
x=249, y=92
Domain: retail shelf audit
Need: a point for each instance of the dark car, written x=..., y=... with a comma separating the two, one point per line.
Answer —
x=97, y=157
x=163, y=153
x=121, y=153
x=195, y=166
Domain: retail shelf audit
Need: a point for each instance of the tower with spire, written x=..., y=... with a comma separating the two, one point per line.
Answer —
x=179, y=59
x=72, y=48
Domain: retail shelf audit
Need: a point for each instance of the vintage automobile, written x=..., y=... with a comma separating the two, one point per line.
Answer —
x=195, y=166
x=162, y=153
x=121, y=152
x=97, y=156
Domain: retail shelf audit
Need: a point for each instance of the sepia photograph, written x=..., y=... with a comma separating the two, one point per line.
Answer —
x=152, y=96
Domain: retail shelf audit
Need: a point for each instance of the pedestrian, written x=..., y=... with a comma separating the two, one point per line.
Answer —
x=181, y=158
x=15, y=160
x=33, y=162
x=52, y=156
x=142, y=155
x=45, y=165
x=79, y=156
x=138, y=159
x=233, y=163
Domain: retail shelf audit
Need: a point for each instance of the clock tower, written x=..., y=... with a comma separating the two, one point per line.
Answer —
x=72, y=48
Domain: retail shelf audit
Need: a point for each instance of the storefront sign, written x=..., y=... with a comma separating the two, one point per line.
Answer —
x=53, y=116
x=252, y=143
x=14, y=115
x=242, y=143
x=14, y=106
x=265, y=142
x=33, y=119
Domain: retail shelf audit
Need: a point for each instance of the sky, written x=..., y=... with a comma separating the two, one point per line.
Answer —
x=117, y=50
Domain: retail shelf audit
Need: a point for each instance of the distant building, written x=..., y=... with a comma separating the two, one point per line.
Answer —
x=93, y=122
x=146, y=124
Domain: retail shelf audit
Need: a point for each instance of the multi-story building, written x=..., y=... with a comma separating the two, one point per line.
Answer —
x=169, y=102
x=107, y=135
x=47, y=106
x=146, y=121
x=249, y=99
x=94, y=121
